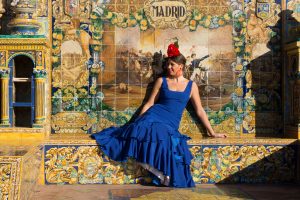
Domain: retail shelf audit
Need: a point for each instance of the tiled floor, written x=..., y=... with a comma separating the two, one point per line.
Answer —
x=137, y=192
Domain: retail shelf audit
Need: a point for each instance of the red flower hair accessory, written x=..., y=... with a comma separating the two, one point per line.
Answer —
x=173, y=50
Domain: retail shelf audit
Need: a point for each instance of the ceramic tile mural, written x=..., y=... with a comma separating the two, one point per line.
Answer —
x=107, y=54
x=85, y=164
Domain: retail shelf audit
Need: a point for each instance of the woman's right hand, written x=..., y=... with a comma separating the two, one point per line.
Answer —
x=219, y=135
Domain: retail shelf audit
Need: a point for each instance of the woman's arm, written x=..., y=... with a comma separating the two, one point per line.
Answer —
x=195, y=98
x=154, y=95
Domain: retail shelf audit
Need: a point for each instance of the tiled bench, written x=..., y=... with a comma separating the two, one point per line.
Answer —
x=215, y=161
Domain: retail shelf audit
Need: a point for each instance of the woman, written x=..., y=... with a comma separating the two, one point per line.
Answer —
x=153, y=138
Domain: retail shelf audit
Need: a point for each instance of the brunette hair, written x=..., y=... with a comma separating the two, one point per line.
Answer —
x=180, y=59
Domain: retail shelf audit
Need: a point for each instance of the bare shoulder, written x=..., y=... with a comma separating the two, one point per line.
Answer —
x=195, y=92
x=194, y=86
x=158, y=82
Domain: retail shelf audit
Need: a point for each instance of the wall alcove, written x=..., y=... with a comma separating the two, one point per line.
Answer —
x=21, y=91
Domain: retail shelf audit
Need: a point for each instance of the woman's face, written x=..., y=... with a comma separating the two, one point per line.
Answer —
x=174, y=69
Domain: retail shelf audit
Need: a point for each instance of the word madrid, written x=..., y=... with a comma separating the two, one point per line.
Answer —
x=168, y=11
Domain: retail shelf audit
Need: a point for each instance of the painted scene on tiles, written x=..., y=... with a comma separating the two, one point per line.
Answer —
x=107, y=56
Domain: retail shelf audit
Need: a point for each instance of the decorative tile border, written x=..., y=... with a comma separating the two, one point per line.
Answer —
x=18, y=174
x=10, y=173
x=214, y=163
x=244, y=163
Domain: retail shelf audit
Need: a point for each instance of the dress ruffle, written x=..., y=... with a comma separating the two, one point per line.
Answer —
x=151, y=142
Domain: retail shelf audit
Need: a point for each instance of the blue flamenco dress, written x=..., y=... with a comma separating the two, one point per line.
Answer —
x=153, y=138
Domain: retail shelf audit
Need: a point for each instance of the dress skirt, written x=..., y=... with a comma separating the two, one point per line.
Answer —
x=150, y=141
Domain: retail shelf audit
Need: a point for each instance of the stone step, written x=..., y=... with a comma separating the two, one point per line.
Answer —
x=135, y=192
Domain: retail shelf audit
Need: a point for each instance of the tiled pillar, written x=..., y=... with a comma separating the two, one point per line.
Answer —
x=40, y=77
x=25, y=21
x=4, y=77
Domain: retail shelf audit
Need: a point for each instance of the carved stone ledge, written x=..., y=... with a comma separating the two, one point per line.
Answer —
x=84, y=140
x=22, y=41
x=22, y=130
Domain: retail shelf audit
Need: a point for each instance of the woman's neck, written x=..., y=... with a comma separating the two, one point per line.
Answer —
x=176, y=78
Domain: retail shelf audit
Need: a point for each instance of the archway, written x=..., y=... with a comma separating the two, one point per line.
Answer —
x=21, y=91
